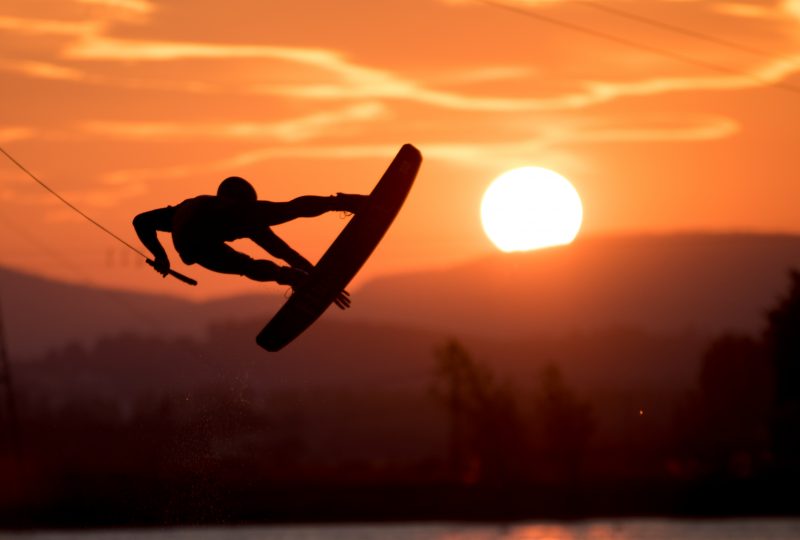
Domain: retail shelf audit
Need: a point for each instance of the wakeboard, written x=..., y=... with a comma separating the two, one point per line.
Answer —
x=346, y=255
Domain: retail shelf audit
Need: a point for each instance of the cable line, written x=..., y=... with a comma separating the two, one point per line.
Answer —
x=65, y=262
x=675, y=29
x=637, y=45
x=63, y=200
x=173, y=273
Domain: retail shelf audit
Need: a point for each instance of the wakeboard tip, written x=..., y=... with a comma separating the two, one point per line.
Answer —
x=408, y=147
x=266, y=342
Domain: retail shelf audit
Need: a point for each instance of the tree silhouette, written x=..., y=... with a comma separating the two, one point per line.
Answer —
x=731, y=410
x=484, y=435
x=782, y=339
x=565, y=424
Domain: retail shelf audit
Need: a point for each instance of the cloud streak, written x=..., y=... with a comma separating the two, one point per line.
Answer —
x=16, y=133
x=352, y=82
x=495, y=155
x=336, y=78
x=141, y=7
x=43, y=70
x=293, y=130
x=50, y=27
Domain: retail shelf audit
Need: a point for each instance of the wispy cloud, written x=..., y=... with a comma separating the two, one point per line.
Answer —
x=488, y=74
x=592, y=93
x=15, y=133
x=703, y=128
x=42, y=70
x=334, y=76
x=251, y=157
x=143, y=7
x=99, y=47
x=746, y=10
x=290, y=131
x=52, y=27
x=501, y=154
x=491, y=155
x=767, y=74
x=352, y=81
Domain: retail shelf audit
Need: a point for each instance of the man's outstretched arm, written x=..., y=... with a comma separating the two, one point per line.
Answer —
x=146, y=225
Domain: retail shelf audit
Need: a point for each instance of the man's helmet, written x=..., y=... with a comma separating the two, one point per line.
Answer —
x=237, y=188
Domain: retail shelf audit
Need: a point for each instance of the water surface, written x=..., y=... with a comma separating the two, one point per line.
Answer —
x=624, y=529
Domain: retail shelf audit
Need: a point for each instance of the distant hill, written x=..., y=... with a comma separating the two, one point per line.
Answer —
x=661, y=284
x=41, y=314
x=626, y=321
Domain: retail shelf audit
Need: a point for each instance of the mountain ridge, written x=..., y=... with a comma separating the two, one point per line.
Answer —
x=660, y=283
x=664, y=284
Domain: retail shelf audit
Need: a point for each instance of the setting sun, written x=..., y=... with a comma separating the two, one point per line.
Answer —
x=530, y=208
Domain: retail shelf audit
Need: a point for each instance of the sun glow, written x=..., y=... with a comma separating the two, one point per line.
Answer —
x=530, y=208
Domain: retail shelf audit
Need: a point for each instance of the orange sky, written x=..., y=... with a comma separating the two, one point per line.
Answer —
x=127, y=105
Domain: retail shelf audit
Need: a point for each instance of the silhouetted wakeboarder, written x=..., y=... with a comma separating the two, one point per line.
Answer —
x=202, y=226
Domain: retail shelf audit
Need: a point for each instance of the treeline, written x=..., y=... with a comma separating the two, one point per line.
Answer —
x=468, y=440
x=740, y=421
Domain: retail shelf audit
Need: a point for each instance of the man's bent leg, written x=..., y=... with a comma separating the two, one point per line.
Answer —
x=224, y=259
x=260, y=270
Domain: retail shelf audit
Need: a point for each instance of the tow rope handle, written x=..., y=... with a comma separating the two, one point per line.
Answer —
x=176, y=275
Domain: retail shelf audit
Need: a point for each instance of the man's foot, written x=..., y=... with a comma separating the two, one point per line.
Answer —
x=342, y=301
x=346, y=202
x=293, y=277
